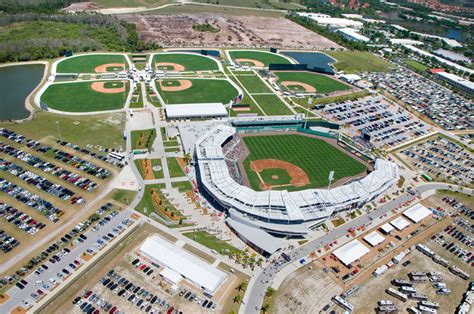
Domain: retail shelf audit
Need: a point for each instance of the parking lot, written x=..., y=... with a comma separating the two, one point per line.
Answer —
x=441, y=159
x=443, y=106
x=386, y=125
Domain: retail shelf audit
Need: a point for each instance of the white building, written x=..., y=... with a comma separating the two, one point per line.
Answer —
x=457, y=81
x=333, y=22
x=210, y=110
x=353, y=34
x=405, y=41
x=181, y=263
x=351, y=252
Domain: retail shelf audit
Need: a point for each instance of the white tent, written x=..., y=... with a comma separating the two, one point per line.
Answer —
x=374, y=238
x=188, y=266
x=400, y=223
x=351, y=252
x=195, y=110
x=386, y=228
x=417, y=212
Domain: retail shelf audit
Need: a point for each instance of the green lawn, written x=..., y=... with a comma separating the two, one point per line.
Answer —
x=80, y=97
x=190, y=61
x=416, y=65
x=88, y=63
x=146, y=141
x=158, y=174
x=202, y=91
x=182, y=186
x=147, y=206
x=212, y=242
x=170, y=143
x=322, y=83
x=253, y=84
x=174, y=168
x=272, y=105
x=358, y=61
x=263, y=56
x=123, y=196
x=316, y=157
x=75, y=129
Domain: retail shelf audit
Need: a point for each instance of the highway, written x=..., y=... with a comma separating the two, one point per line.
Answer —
x=255, y=293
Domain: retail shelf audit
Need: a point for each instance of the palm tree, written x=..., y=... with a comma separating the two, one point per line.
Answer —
x=270, y=291
x=237, y=298
x=242, y=286
x=265, y=307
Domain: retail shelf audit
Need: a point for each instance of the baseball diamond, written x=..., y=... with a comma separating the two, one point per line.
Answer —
x=296, y=81
x=93, y=63
x=179, y=62
x=257, y=58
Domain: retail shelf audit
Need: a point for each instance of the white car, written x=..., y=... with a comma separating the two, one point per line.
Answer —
x=52, y=280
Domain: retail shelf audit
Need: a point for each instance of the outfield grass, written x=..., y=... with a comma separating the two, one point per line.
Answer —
x=272, y=105
x=212, y=242
x=316, y=157
x=75, y=129
x=123, y=196
x=202, y=91
x=253, y=84
x=80, y=97
x=358, y=61
x=88, y=63
x=265, y=57
x=174, y=168
x=147, y=139
x=190, y=61
x=322, y=83
x=416, y=65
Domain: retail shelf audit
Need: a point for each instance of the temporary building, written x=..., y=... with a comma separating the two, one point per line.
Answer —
x=417, y=213
x=374, y=238
x=400, y=223
x=351, y=252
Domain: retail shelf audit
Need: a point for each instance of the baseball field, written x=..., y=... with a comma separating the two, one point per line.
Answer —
x=180, y=62
x=256, y=58
x=309, y=82
x=86, y=96
x=295, y=162
x=93, y=64
x=189, y=91
x=253, y=84
x=272, y=105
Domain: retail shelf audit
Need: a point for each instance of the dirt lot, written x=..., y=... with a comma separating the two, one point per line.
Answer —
x=235, y=31
x=119, y=259
x=307, y=290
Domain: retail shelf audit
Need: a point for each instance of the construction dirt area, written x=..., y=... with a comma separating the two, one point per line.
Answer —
x=233, y=31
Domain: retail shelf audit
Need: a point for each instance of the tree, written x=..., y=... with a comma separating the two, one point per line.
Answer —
x=265, y=307
x=242, y=286
x=270, y=291
x=237, y=298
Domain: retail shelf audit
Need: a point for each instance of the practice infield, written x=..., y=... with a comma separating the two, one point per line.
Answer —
x=183, y=62
x=257, y=58
x=295, y=162
x=199, y=91
x=295, y=81
x=93, y=64
x=86, y=96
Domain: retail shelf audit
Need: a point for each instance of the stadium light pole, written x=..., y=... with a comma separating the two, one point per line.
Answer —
x=59, y=131
x=330, y=178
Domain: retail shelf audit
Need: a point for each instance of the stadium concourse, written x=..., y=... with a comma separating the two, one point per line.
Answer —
x=279, y=211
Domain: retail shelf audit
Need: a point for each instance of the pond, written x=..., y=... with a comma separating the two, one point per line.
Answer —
x=314, y=60
x=16, y=83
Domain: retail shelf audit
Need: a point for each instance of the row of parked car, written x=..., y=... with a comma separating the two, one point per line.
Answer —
x=19, y=219
x=106, y=159
x=460, y=207
x=30, y=199
x=81, y=164
x=36, y=180
x=88, y=301
x=463, y=253
x=38, y=163
x=7, y=242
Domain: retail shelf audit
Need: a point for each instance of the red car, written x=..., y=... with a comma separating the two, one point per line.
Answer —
x=112, y=310
x=142, y=267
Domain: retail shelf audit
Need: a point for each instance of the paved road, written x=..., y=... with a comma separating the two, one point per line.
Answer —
x=17, y=296
x=255, y=293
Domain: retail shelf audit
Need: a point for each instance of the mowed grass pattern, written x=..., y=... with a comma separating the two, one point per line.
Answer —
x=358, y=61
x=191, y=62
x=88, y=63
x=322, y=83
x=272, y=105
x=316, y=157
x=265, y=57
x=253, y=84
x=202, y=91
x=80, y=97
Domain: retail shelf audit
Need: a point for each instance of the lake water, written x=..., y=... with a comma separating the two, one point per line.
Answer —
x=16, y=83
x=312, y=59
x=454, y=34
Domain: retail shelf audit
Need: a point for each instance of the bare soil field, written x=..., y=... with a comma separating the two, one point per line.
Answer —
x=234, y=31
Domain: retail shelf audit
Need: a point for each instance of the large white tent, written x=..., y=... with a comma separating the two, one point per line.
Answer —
x=190, y=267
x=374, y=238
x=351, y=252
x=400, y=223
x=195, y=110
x=417, y=213
x=386, y=228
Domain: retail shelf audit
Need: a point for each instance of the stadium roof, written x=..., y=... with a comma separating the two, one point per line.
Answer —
x=374, y=238
x=196, y=110
x=351, y=252
x=400, y=223
x=387, y=228
x=257, y=236
x=417, y=213
x=188, y=266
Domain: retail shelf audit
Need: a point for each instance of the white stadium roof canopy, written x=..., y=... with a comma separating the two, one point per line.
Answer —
x=374, y=238
x=417, y=213
x=188, y=266
x=351, y=252
x=195, y=110
x=400, y=223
